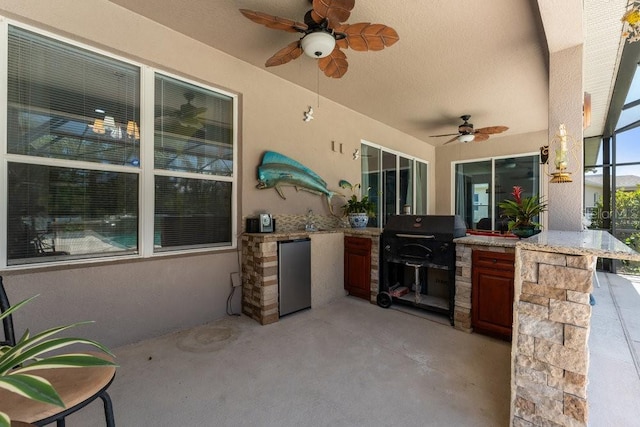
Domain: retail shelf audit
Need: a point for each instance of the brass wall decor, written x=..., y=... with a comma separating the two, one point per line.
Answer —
x=561, y=161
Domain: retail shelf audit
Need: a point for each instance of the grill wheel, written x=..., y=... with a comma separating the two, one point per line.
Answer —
x=384, y=299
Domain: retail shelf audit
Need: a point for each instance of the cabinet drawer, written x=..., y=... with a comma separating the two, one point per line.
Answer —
x=494, y=260
x=357, y=243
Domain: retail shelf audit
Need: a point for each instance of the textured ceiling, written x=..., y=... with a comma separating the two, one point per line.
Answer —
x=454, y=57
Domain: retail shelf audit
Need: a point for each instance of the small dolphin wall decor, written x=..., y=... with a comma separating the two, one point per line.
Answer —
x=278, y=170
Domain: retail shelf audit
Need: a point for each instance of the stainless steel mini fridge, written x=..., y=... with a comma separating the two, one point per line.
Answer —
x=294, y=275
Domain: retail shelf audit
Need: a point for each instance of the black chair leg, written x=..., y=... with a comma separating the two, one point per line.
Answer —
x=108, y=409
x=60, y=422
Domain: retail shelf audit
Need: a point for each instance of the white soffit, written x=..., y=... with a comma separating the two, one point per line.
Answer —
x=602, y=50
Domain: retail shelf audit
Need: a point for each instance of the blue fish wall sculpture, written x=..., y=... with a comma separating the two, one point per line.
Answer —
x=278, y=170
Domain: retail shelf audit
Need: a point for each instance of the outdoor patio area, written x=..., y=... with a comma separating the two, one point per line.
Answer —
x=351, y=363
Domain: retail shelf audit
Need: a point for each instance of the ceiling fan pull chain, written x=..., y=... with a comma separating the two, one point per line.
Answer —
x=318, y=85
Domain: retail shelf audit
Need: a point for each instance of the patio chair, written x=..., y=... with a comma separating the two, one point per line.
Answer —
x=7, y=323
x=77, y=387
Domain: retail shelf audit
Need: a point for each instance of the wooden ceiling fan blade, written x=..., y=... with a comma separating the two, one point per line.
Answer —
x=479, y=137
x=451, y=140
x=492, y=129
x=275, y=22
x=286, y=54
x=446, y=134
x=334, y=65
x=365, y=36
x=334, y=11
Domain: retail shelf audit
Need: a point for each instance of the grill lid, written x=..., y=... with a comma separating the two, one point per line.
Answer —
x=441, y=227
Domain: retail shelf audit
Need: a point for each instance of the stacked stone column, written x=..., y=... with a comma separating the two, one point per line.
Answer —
x=260, y=278
x=550, y=355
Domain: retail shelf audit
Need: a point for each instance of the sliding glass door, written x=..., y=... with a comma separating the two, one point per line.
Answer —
x=481, y=185
x=394, y=182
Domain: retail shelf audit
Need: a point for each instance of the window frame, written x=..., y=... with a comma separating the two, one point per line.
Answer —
x=381, y=197
x=146, y=170
x=492, y=159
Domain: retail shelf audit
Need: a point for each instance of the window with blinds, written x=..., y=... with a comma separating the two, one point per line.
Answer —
x=74, y=149
x=193, y=160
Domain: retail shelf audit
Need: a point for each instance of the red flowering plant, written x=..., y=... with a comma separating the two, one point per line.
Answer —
x=522, y=210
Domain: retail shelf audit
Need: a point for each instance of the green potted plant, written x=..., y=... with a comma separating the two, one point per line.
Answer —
x=521, y=212
x=358, y=210
x=17, y=362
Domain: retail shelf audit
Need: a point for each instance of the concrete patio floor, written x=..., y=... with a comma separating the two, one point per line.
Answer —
x=351, y=363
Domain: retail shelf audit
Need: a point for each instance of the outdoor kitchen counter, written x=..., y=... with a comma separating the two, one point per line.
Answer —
x=588, y=242
x=551, y=322
x=465, y=246
x=260, y=290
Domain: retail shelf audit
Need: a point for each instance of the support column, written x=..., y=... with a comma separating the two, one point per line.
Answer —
x=550, y=355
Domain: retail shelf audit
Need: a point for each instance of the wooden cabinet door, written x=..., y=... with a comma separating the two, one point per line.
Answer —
x=357, y=266
x=492, y=293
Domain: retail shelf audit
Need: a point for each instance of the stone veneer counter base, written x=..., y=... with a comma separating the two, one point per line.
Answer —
x=552, y=316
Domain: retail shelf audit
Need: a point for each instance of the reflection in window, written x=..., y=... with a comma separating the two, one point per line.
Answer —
x=194, y=138
x=69, y=103
x=192, y=212
x=481, y=186
x=370, y=164
x=65, y=213
x=393, y=181
x=193, y=128
x=473, y=195
x=73, y=156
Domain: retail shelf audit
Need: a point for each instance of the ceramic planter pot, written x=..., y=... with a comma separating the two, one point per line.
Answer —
x=358, y=220
x=525, y=231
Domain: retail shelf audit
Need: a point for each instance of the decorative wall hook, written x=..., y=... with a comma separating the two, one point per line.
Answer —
x=356, y=154
x=308, y=115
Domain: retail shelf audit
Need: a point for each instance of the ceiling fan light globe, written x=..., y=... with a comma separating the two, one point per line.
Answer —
x=318, y=44
x=466, y=137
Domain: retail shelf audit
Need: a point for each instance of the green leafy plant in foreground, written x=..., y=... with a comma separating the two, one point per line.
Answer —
x=17, y=363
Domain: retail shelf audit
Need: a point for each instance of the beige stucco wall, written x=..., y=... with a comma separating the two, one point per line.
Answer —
x=507, y=145
x=565, y=107
x=134, y=300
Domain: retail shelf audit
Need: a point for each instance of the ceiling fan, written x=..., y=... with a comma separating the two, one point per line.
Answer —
x=466, y=133
x=188, y=120
x=324, y=34
x=187, y=116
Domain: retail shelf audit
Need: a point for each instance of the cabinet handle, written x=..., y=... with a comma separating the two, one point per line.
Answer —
x=495, y=260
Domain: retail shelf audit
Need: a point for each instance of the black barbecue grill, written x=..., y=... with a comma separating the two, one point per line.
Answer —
x=418, y=259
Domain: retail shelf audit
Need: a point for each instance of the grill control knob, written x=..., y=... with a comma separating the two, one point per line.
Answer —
x=387, y=248
x=444, y=247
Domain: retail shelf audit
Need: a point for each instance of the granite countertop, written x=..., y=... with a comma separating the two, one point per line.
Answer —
x=301, y=234
x=588, y=242
x=481, y=240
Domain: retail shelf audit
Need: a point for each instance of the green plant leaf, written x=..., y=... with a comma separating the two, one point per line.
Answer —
x=31, y=387
x=5, y=421
x=71, y=360
x=15, y=307
x=26, y=351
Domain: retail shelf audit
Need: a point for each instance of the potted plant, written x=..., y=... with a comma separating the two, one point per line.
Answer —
x=17, y=362
x=358, y=211
x=521, y=212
